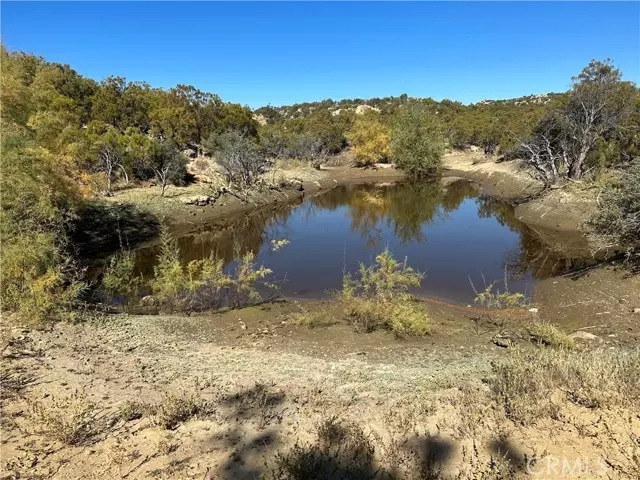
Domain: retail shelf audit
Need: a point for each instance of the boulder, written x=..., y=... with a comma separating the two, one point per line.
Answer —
x=147, y=301
x=199, y=200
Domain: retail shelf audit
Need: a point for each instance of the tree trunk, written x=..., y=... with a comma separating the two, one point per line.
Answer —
x=126, y=177
x=577, y=166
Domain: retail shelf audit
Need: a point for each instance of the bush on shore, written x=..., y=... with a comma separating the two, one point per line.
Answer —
x=378, y=297
x=617, y=221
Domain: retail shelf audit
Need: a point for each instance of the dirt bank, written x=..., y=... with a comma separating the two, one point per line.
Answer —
x=562, y=210
x=182, y=217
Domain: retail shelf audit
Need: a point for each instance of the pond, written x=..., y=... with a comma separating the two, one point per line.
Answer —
x=451, y=233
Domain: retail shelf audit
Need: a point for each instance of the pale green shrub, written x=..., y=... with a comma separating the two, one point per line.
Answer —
x=378, y=297
x=493, y=299
x=72, y=420
x=203, y=284
x=120, y=278
x=546, y=333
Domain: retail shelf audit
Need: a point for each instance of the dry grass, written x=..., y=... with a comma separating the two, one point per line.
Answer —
x=403, y=317
x=310, y=318
x=176, y=409
x=341, y=450
x=73, y=420
x=534, y=385
x=292, y=168
x=13, y=381
x=548, y=334
x=133, y=411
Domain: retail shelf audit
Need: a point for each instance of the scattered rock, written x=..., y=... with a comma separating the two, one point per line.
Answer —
x=636, y=310
x=580, y=335
x=147, y=300
x=504, y=341
x=533, y=310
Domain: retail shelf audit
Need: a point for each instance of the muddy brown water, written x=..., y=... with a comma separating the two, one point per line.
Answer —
x=451, y=233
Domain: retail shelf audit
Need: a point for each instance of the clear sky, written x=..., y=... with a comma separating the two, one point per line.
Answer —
x=282, y=53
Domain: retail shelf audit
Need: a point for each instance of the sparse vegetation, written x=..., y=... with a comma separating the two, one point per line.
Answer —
x=378, y=298
x=73, y=420
x=546, y=333
x=342, y=450
x=527, y=383
x=310, y=319
x=493, y=299
x=133, y=411
x=175, y=409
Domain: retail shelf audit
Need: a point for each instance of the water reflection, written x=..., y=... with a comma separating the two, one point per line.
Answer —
x=449, y=231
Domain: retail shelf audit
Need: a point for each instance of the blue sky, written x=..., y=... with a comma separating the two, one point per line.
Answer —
x=281, y=53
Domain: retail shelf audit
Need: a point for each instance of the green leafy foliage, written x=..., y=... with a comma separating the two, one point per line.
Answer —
x=416, y=140
x=120, y=278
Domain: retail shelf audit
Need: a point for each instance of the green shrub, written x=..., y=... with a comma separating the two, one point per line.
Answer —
x=617, y=222
x=546, y=333
x=193, y=286
x=416, y=140
x=385, y=279
x=402, y=315
x=203, y=284
x=245, y=279
x=120, y=278
x=38, y=277
x=378, y=297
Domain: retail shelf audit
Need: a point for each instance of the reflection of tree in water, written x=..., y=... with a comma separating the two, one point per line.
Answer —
x=533, y=255
x=248, y=232
x=405, y=208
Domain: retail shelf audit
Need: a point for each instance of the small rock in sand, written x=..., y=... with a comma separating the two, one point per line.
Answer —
x=580, y=335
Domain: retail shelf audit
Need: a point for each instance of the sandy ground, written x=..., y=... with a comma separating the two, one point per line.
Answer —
x=262, y=386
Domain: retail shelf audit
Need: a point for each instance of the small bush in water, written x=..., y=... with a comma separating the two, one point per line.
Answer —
x=120, y=279
x=202, y=284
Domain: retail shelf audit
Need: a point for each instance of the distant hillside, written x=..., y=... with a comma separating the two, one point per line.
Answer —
x=384, y=105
